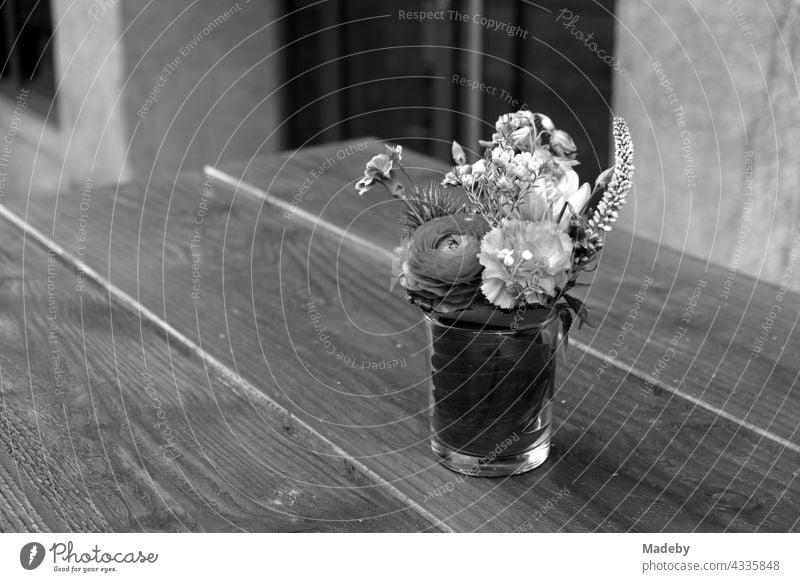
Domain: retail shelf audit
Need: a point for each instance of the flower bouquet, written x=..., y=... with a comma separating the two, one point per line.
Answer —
x=490, y=255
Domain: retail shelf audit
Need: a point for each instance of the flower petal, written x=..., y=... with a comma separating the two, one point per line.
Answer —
x=496, y=292
x=577, y=203
x=459, y=157
x=395, y=153
x=364, y=185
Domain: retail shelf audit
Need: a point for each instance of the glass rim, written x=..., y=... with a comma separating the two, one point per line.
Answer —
x=490, y=328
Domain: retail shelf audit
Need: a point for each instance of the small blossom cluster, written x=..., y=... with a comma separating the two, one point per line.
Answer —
x=526, y=169
x=511, y=229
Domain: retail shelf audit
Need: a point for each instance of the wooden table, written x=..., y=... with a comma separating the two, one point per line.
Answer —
x=221, y=352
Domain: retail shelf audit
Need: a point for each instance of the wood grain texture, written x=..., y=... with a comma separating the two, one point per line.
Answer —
x=630, y=459
x=108, y=424
x=716, y=334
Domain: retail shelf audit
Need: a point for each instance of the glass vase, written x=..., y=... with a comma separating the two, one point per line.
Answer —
x=491, y=384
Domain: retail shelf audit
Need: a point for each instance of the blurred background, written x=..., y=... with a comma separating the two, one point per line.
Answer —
x=108, y=91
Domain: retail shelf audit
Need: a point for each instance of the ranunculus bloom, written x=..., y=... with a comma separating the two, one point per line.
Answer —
x=524, y=261
x=441, y=271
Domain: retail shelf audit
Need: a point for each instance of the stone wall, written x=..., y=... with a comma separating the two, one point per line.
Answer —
x=712, y=101
x=89, y=76
x=159, y=87
x=214, y=65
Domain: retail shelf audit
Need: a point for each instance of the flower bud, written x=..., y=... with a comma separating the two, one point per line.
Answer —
x=603, y=179
x=522, y=138
x=459, y=157
x=543, y=122
x=561, y=143
x=395, y=153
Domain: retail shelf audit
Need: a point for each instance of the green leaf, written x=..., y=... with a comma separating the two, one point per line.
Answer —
x=580, y=309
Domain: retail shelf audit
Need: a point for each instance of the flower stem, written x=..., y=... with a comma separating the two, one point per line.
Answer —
x=410, y=181
x=389, y=190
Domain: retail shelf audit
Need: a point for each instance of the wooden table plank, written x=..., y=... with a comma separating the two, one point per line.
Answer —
x=109, y=424
x=629, y=459
x=728, y=355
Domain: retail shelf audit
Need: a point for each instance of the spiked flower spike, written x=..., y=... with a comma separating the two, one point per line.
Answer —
x=607, y=209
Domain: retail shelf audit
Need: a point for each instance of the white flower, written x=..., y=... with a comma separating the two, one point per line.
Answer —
x=534, y=204
x=575, y=205
x=507, y=256
x=568, y=183
x=502, y=156
x=504, y=184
